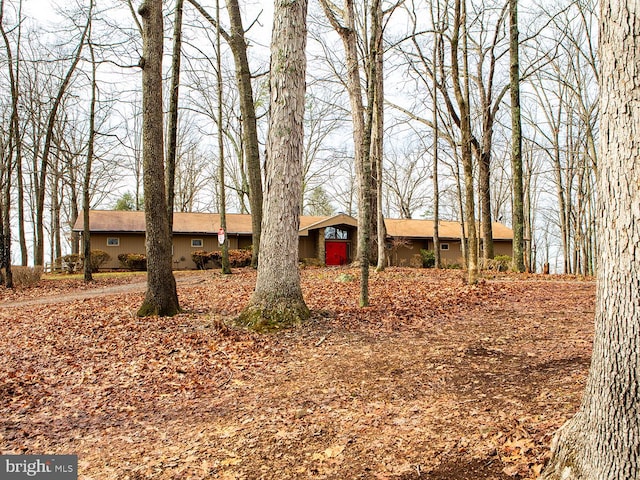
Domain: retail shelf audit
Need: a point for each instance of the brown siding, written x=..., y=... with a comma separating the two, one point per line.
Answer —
x=308, y=246
x=502, y=248
x=129, y=243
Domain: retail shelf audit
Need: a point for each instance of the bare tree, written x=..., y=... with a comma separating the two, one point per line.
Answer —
x=161, y=297
x=516, y=141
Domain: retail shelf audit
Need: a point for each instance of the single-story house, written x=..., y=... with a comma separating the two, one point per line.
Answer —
x=330, y=239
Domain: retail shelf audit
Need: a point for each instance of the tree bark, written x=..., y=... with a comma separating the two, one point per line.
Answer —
x=161, y=297
x=361, y=137
x=602, y=440
x=462, y=98
x=86, y=185
x=226, y=269
x=516, y=141
x=41, y=186
x=277, y=300
x=172, y=127
x=249, y=123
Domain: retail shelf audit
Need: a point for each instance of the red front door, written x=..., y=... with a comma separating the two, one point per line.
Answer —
x=336, y=253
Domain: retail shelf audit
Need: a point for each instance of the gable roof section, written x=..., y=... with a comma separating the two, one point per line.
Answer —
x=114, y=221
x=312, y=223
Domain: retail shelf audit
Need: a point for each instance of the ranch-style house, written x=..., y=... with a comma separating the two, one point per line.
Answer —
x=330, y=240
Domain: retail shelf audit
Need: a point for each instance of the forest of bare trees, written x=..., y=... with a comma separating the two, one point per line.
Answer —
x=438, y=73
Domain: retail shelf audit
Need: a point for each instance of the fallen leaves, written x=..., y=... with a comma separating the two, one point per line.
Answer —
x=435, y=379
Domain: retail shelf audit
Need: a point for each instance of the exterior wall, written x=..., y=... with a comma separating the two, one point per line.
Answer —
x=503, y=247
x=308, y=246
x=403, y=255
x=129, y=243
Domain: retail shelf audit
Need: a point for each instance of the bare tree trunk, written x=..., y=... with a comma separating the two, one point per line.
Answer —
x=251, y=147
x=172, y=127
x=161, y=297
x=436, y=137
x=41, y=186
x=361, y=136
x=223, y=196
x=277, y=300
x=601, y=440
x=86, y=185
x=462, y=98
x=376, y=77
x=516, y=141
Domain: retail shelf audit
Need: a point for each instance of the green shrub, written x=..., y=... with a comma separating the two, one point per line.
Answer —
x=133, y=261
x=26, y=276
x=428, y=258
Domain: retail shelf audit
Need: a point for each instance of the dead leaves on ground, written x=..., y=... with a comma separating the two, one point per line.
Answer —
x=436, y=379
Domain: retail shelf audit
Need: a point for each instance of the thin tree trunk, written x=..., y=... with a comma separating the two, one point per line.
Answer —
x=86, y=185
x=172, y=127
x=436, y=138
x=361, y=138
x=516, y=141
x=251, y=147
x=41, y=185
x=462, y=98
x=161, y=297
x=223, y=196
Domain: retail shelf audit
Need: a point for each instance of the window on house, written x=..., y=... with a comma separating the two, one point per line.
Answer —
x=196, y=242
x=113, y=242
x=444, y=246
x=334, y=233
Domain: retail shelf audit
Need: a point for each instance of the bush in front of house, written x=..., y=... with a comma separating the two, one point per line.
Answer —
x=71, y=263
x=428, y=258
x=26, y=276
x=97, y=259
x=237, y=258
x=136, y=262
x=499, y=263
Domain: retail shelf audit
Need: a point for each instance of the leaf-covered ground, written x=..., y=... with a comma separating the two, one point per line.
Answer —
x=436, y=380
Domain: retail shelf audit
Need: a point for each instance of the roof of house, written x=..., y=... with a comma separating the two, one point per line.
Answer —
x=112, y=221
x=412, y=228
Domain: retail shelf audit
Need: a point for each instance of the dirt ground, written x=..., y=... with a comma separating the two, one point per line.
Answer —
x=436, y=380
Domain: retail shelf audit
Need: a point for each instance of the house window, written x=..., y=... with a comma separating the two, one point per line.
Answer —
x=113, y=242
x=196, y=242
x=444, y=246
x=334, y=233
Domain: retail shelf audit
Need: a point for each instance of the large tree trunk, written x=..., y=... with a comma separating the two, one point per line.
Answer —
x=161, y=297
x=277, y=300
x=601, y=441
